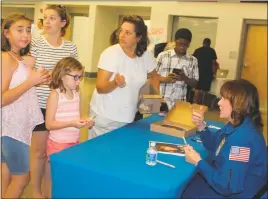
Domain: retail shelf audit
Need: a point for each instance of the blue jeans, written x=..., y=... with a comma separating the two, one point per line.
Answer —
x=16, y=155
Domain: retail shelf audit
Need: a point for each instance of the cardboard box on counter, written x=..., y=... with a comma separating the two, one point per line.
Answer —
x=178, y=121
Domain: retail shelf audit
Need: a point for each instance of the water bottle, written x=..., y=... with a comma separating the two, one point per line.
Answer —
x=151, y=155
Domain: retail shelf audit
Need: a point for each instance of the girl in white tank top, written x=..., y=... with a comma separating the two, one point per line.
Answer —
x=19, y=105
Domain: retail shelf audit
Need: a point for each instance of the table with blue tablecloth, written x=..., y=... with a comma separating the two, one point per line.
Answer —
x=113, y=166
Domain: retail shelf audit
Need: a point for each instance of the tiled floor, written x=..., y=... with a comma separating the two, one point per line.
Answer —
x=87, y=88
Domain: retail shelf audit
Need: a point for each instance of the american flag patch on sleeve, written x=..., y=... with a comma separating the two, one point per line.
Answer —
x=239, y=154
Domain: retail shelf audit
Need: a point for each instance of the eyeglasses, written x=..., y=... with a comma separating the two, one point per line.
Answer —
x=76, y=77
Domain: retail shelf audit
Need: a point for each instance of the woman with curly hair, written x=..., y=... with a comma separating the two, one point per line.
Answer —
x=122, y=71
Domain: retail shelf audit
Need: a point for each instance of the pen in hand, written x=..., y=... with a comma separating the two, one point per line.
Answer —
x=184, y=140
x=196, y=140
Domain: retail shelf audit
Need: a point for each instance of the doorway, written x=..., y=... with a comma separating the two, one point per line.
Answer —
x=252, y=63
x=253, y=58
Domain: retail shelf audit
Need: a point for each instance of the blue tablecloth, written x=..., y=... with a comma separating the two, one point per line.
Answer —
x=113, y=166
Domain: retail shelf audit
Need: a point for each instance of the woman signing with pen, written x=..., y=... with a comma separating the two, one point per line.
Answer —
x=236, y=164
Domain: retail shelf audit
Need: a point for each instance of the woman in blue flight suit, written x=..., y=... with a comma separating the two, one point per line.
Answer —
x=236, y=164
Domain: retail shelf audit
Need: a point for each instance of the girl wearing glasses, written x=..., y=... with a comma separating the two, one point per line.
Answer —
x=63, y=111
x=47, y=51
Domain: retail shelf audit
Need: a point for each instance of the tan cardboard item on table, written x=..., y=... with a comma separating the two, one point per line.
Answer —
x=178, y=121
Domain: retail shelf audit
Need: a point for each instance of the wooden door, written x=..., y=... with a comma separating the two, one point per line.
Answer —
x=255, y=61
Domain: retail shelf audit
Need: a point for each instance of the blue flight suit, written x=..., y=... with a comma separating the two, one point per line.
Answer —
x=240, y=177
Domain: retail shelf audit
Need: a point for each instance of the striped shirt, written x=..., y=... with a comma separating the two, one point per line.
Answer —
x=67, y=110
x=47, y=56
x=166, y=62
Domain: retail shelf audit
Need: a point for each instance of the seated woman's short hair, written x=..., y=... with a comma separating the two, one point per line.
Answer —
x=244, y=100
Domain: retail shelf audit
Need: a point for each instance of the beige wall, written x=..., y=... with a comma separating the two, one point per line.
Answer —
x=79, y=9
x=28, y=12
x=230, y=20
x=105, y=24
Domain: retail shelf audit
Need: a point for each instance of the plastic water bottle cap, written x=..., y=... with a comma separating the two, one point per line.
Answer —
x=153, y=144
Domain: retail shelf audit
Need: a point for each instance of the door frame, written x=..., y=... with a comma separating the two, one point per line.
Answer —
x=242, y=46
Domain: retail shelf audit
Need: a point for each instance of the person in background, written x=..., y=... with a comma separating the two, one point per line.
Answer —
x=47, y=51
x=114, y=37
x=19, y=105
x=63, y=118
x=207, y=65
x=40, y=23
x=173, y=85
x=122, y=71
x=236, y=164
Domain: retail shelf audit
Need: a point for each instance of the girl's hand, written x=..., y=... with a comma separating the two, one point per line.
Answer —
x=191, y=155
x=49, y=78
x=79, y=123
x=39, y=76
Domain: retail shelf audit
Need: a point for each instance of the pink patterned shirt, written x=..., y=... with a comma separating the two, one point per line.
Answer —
x=67, y=110
x=20, y=117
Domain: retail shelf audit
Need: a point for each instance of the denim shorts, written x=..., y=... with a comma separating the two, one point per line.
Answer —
x=16, y=155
